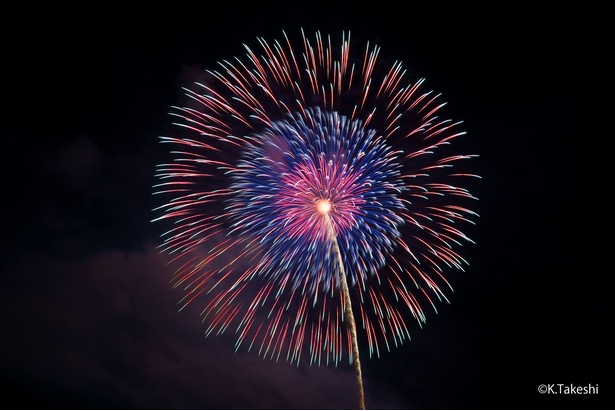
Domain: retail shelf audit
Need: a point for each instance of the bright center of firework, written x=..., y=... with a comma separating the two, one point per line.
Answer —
x=312, y=175
x=323, y=206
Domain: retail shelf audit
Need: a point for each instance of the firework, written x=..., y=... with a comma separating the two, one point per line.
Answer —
x=305, y=185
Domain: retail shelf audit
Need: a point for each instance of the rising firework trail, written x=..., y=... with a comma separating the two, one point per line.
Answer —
x=309, y=184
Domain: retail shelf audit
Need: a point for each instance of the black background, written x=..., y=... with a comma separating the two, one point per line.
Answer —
x=88, y=316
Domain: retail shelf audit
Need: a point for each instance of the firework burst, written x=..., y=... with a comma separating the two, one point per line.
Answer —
x=303, y=172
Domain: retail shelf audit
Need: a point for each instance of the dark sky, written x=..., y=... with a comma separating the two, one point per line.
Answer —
x=89, y=319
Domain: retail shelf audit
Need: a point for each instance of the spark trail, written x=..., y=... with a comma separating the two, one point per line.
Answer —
x=324, y=207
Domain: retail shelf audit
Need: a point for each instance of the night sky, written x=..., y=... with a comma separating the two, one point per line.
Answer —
x=88, y=316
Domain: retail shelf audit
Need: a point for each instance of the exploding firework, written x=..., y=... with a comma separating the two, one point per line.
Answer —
x=305, y=185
